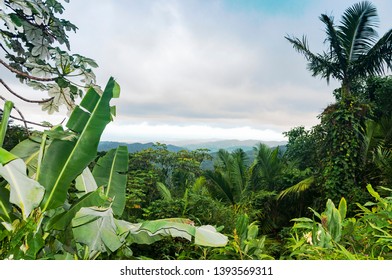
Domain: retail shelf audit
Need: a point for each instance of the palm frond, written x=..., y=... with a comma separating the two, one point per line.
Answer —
x=238, y=170
x=164, y=192
x=297, y=189
x=375, y=60
x=318, y=65
x=221, y=184
x=199, y=186
x=357, y=29
x=336, y=52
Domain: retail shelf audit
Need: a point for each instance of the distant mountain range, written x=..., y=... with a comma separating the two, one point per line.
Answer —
x=133, y=147
x=231, y=145
x=213, y=146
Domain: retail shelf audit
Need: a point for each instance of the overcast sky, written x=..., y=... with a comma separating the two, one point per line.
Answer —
x=197, y=69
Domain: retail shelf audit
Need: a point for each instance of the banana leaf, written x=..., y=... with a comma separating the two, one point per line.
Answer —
x=96, y=229
x=65, y=159
x=25, y=192
x=151, y=231
x=85, y=182
x=100, y=231
x=110, y=172
x=28, y=150
x=91, y=199
x=4, y=120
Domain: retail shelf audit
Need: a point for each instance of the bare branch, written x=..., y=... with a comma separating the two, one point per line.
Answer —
x=21, y=97
x=30, y=122
x=21, y=115
x=16, y=71
x=22, y=118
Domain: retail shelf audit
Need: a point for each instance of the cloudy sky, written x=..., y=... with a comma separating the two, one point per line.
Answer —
x=206, y=69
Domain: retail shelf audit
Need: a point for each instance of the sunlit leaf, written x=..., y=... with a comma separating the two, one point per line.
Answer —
x=85, y=182
x=25, y=192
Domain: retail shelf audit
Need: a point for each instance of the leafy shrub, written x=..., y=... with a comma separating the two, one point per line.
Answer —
x=365, y=236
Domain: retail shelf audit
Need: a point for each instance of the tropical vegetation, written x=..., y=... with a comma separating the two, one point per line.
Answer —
x=325, y=195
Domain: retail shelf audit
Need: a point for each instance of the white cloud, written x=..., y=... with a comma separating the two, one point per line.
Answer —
x=145, y=132
x=190, y=66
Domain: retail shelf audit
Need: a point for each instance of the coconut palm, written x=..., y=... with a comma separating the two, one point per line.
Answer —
x=354, y=50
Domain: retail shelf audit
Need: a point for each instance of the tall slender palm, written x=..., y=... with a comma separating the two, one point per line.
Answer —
x=354, y=48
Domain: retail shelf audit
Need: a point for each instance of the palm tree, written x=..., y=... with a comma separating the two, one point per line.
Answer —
x=267, y=167
x=354, y=50
x=230, y=176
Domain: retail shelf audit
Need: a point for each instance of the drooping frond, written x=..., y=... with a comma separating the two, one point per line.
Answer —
x=297, y=189
x=377, y=58
x=221, y=184
x=164, y=192
x=318, y=65
x=223, y=159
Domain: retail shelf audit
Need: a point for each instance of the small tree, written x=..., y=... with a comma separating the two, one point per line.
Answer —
x=32, y=40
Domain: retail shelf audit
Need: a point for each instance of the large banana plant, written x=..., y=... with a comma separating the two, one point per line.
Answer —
x=41, y=174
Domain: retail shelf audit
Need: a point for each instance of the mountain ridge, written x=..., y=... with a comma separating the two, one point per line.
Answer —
x=213, y=146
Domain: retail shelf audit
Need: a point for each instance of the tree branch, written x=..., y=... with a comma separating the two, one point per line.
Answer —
x=30, y=122
x=24, y=74
x=21, y=97
x=21, y=115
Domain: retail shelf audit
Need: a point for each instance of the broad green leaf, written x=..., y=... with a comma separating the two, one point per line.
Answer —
x=342, y=208
x=335, y=225
x=110, y=172
x=64, y=160
x=6, y=157
x=151, y=231
x=91, y=199
x=4, y=120
x=85, y=182
x=35, y=242
x=208, y=236
x=25, y=192
x=28, y=150
x=96, y=229
x=253, y=231
x=242, y=225
x=168, y=227
x=334, y=221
